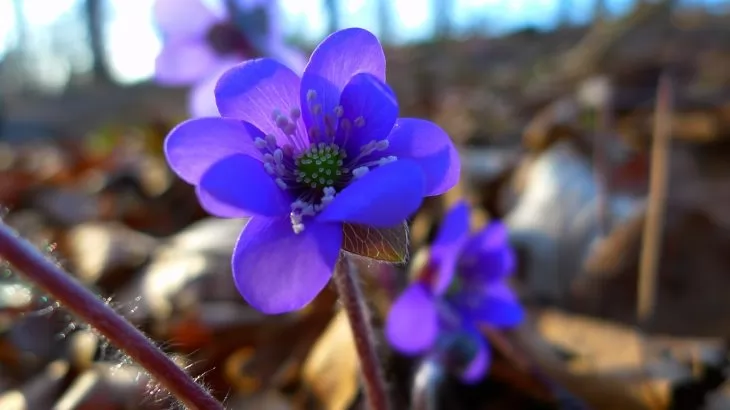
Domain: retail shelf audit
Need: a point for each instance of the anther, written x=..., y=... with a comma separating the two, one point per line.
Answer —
x=360, y=121
x=278, y=155
x=295, y=112
x=275, y=114
x=360, y=171
x=282, y=121
x=290, y=128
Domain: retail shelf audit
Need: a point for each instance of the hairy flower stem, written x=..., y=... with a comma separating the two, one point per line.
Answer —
x=74, y=296
x=362, y=330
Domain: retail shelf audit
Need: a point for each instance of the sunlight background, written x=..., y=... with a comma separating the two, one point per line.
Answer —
x=133, y=42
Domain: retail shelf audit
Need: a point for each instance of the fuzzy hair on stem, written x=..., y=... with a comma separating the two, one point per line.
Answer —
x=358, y=315
x=34, y=265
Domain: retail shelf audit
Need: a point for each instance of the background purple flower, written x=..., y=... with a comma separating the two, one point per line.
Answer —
x=201, y=42
x=462, y=286
x=302, y=156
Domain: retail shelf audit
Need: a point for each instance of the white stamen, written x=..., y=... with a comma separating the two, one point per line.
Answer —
x=275, y=114
x=281, y=183
x=387, y=160
x=360, y=171
x=282, y=121
x=290, y=128
x=339, y=111
x=271, y=140
x=260, y=143
x=295, y=113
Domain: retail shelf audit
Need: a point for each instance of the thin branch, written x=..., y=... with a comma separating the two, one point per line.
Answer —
x=74, y=296
x=653, y=228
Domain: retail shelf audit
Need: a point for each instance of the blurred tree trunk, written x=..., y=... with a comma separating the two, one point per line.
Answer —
x=442, y=18
x=385, y=20
x=333, y=15
x=590, y=53
x=600, y=11
x=95, y=28
x=564, y=9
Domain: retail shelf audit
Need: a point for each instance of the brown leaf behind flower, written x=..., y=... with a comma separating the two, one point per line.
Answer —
x=383, y=244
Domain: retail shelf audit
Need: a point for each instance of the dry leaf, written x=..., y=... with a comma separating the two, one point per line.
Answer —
x=383, y=244
x=331, y=370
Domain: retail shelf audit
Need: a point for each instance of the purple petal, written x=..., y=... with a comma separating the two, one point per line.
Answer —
x=277, y=270
x=241, y=181
x=337, y=58
x=495, y=304
x=383, y=198
x=184, y=18
x=253, y=90
x=427, y=144
x=194, y=145
x=201, y=99
x=487, y=256
x=218, y=208
x=448, y=243
x=412, y=323
x=367, y=97
x=478, y=366
x=184, y=62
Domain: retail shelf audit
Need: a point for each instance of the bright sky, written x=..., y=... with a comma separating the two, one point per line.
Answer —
x=133, y=41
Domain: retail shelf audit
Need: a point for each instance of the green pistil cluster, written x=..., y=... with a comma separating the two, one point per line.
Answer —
x=320, y=166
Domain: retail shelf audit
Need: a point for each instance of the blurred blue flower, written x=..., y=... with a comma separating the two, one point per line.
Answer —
x=461, y=287
x=202, y=42
x=302, y=156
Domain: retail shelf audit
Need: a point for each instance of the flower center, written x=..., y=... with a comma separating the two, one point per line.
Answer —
x=321, y=166
x=315, y=166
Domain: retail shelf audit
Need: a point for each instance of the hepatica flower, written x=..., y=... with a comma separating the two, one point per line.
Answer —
x=201, y=42
x=461, y=287
x=320, y=163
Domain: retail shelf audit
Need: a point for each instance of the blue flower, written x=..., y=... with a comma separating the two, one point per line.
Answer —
x=302, y=157
x=461, y=287
x=202, y=42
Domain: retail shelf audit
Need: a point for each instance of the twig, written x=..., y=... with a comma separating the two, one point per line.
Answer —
x=362, y=332
x=601, y=161
x=84, y=304
x=653, y=228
